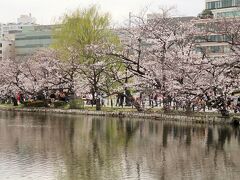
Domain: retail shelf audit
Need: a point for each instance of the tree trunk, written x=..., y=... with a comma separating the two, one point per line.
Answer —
x=128, y=97
x=188, y=107
x=136, y=104
x=98, y=104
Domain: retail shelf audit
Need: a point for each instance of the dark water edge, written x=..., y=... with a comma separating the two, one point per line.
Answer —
x=68, y=147
x=202, y=118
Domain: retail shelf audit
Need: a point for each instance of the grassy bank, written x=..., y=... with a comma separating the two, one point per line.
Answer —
x=153, y=114
x=129, y=110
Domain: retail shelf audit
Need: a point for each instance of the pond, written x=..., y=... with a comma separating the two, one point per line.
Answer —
x=71, y=147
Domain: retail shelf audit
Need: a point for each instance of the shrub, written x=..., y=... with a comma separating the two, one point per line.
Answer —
x=57, y=104
x=35, y=104
x=76, y=104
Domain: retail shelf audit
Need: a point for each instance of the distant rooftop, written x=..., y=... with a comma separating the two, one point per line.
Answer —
x=22, y=20
x=26, y=19
x=153, y=16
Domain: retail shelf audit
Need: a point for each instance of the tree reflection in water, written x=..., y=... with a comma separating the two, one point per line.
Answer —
x=70, y=147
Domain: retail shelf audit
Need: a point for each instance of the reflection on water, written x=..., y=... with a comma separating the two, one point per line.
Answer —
x=68, y=147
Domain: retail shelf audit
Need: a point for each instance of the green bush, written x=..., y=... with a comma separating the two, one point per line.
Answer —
x=76, y=104
x=57, y=104
x=35, y=104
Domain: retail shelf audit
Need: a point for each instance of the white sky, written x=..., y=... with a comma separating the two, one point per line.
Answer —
x=48, y=11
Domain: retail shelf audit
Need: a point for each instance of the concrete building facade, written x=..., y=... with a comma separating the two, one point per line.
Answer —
x=214, y=42
x=24, y=37
x=224, y=8
x=7, y=47
x=33, y=38
x=211, y=42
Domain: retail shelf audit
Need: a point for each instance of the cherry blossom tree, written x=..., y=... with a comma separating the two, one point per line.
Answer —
x=155, y=49
x=161, y=53
x=35, y=74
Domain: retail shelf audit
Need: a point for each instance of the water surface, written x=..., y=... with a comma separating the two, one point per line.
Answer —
x=70, y=147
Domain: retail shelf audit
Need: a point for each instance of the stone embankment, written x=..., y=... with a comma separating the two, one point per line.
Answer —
x=203, y=119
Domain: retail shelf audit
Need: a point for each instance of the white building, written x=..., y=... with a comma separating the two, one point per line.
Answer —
x=26, y=19
x=10, y=28
x=8, y=35
x=7, y=49
x=13, y=28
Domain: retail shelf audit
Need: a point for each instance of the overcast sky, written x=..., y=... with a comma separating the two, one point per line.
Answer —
x=48, y=11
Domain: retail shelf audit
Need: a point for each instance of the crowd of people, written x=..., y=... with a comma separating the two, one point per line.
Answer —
x=157, y=100
x=20, y=97
x=200, y=103
x=146, y=100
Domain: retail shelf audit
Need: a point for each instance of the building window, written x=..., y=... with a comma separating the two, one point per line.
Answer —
x=216, y=49
x=237, y=3
x=200, y=50
x=214, y=5
x=0, y=51
x=33, y=37
x=222, y=4
x=228, y=14
x=215, y=38
x=199, y=39
x=227, y=3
